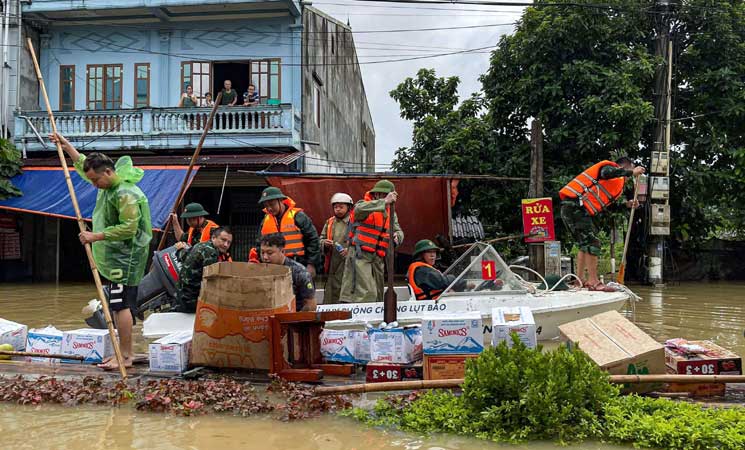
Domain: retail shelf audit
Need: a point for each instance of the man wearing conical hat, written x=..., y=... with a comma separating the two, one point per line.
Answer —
x=370, y=225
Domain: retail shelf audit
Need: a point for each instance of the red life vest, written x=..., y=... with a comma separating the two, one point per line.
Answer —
x=593, y=193
x=419, y=292
x=206, y=232
x=293, y=236
x=371, y=235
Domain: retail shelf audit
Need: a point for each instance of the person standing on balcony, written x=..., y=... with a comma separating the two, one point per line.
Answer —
x=208, y=100
x=251, y=98
x=121, y=235
x=229, y=96
x=188, y=99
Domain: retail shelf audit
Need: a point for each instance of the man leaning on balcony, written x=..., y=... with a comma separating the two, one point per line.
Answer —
x=229, y=95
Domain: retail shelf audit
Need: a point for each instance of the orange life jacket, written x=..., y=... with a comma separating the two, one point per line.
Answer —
x=330, y=236
x=371, y=235
x=419, y=292
x=206, y=231
x=293, y=236
x=592, y=192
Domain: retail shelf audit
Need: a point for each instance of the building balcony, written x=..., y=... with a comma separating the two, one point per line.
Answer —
x=153, y=129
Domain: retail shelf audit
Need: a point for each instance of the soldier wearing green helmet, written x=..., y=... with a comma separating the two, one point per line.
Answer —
x=425, y=281
x=200, y=228
x=370, y=224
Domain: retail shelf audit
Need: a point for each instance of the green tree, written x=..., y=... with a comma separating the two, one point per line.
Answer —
x=10, y=166
x=587, y=72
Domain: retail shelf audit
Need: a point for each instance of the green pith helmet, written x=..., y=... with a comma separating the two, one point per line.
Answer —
x=424, y=245
x=383, y=186
x=194, y=210
x=271, y=193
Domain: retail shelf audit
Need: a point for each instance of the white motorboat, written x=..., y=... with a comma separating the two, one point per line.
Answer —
x=484, y=282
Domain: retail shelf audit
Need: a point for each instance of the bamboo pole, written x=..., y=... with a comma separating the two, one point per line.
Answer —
x=43, y=355
x=185, y=183
x=622, y=269
x=457, y=382
x=81, y=223
x=389, y=302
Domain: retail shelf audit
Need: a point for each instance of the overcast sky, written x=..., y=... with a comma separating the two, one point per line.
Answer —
x=391, y=130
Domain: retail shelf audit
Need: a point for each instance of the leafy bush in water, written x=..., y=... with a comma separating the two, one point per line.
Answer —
x=518, y=394
x=511, y=394
x=662, y=423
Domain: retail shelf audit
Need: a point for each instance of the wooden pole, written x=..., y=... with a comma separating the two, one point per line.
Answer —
x=389, y=305
x=81, y=223
x=457, y=382
x=43, y=355
x=622, y=268
x=185, y=183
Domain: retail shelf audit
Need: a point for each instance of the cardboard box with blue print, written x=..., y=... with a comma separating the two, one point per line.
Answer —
x=453, y=335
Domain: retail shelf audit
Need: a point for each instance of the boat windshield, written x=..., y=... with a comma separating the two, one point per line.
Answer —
x=481, y=270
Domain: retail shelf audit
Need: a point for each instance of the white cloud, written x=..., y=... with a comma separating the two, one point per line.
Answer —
x=391, y=130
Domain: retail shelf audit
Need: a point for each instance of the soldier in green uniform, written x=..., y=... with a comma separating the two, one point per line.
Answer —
x=335, y=244
x=364, y=267
x=195, y=260
x=121, y=234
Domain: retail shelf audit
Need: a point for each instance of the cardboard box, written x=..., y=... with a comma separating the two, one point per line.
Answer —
x=506, y=321
x=446, y=367
x=14, y=334
x=339, y=345
x=170, y=353
x=44, y=340
x=93, y=344
x=231, y=328
x=617, y=346
x=384, y=372
x=397, y=345
x=453, y=335
x=715, y=360
x=362, y=347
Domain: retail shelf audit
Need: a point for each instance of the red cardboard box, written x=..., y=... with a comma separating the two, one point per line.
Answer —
x=383, y=372
x=446, y=367
x=714, y=361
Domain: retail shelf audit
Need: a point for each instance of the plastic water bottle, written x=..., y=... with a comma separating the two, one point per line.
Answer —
x=383, y=325
x=339, y=248
x=392, y=325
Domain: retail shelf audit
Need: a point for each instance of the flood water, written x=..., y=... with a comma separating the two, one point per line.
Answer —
x=692, y=311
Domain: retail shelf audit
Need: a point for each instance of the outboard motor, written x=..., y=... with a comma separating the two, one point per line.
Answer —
x=156, y=291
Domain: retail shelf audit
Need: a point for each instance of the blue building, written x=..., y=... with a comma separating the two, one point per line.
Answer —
x=115, y=72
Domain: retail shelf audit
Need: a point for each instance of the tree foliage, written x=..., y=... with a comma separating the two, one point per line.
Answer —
x=588, y=73
x=10, y=166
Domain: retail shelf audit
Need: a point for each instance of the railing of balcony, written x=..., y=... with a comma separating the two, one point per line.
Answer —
x=159, y=121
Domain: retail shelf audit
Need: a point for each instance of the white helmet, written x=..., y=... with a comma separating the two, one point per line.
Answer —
x=341, y=197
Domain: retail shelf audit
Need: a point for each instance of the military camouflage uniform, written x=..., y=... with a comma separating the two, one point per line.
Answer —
x=195, y=260
x=579, y=223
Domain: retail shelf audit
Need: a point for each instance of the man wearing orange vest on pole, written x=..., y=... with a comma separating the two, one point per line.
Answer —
x=586, y=196
x=370, y=224
x=200, y=227
x=301, y=238
x=335, y=244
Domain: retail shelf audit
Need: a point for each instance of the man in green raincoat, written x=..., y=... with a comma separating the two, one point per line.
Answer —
x=370, y=224
x=121, y=234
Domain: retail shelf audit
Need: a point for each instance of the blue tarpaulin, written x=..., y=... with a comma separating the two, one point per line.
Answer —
x=45, y=192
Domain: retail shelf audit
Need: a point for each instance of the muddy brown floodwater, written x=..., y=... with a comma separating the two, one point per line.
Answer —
x=689, y=310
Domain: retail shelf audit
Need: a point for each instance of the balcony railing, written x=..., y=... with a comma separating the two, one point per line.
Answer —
x=151, y=126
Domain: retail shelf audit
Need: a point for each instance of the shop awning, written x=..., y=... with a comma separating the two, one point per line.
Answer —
x=45, y=192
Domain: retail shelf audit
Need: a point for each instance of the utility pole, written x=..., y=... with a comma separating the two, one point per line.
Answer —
x=536, y=252
x=659, y=183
